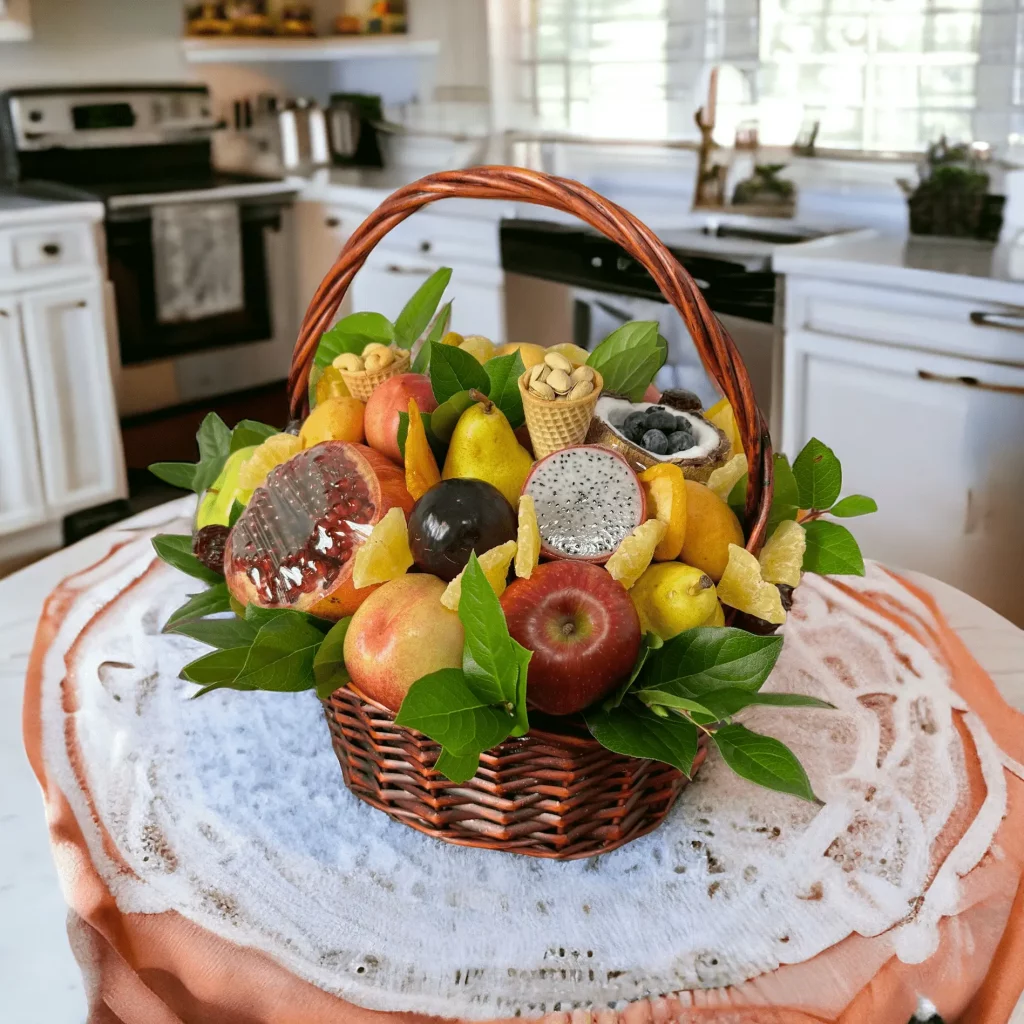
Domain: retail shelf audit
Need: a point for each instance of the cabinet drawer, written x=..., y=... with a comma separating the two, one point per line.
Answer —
x=448, y=240
x=978, y=330
x=47, y=247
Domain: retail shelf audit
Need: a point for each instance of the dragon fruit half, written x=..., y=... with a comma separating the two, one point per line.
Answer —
x=587, y=499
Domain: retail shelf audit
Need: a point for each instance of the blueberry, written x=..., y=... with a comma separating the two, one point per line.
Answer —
x=680, y=441
x=659, y=418
x=655, y=442
x=633, y=426
x=682, y=423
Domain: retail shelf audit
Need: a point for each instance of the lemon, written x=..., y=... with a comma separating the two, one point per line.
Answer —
x=717, y=617
x=635, y=552
x=711, y=526
x=453, y=338
x=741, y=587
x=494, y=563
x=528, y=538
x=666, y=502
x=783, y=554
x=723, y=417
x=530, y=354
x=576, y=355
x=276, y=449
x=478, y=346
x=725, y=478
x=385, y=554
x=671, y=597
x=334, y=419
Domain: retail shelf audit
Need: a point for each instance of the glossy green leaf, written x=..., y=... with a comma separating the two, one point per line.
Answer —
x=785, y=496
x=217, y=667
x=446, y=415
x=315, y=373
x=176, y=550
x=224, y=634
x=664, y=699
x=831, y=550
x=487, y=660
x=504, y=373
x=458, y=768
x=250, y=432
x=446, y=708
x=522, y=656
x=636, y=731
x=819, y=476
x=329, y=663
x=763, y=760
x=731, y=700
x=708, y=658
x=281, y=657
x=648, y=642
x=237, y=508
x=208, y=602
x=437, y=446
x=452, y=371
x=416, y=313
x=177, y=474
x=352, y=334
x=853, y=505
x=438, y=329
x=629, y=358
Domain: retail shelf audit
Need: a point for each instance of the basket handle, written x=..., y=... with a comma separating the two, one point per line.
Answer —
x=515, y=184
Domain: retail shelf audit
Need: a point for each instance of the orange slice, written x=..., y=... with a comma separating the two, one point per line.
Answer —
x=635, y=552
x=666, y=501
x=421, y=472
x=276, y=449
x=385, y=554
x=495, y=565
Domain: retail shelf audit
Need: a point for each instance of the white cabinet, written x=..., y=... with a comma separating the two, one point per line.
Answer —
x=78, y=431
x=322, y=231
x=15, y=23
x=21, y=489
x=937, y=440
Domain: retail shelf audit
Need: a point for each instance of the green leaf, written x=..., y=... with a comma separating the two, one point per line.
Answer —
x=438, y=329
x=854, y=505
x=708, y=658
x=730, y=701
x=216, y=599
x=671, y=700
x=452, y=371
x=214, y=437
x=446, y=415
x=217, y=667
x=177, y=474
x=458, y=767
x=281, y=656
x=522, y=656
x=785, y=496
x=629, y=358
x=437, y=446
x=329, y=664
x=648, y=642
x=444, y=707
x=315, y=373
x=224, y=634
x=763, y=760
x=176, y=550
x=237, y=508
x=261, y=616
x=504, y=373
x=488, y=661
x=831, y=550
x=819, y=476
x=352, y=334
x=637, y=731
x=416, y=314
x=250, y=432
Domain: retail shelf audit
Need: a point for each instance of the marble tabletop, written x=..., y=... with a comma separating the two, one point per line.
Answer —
x=38, y=974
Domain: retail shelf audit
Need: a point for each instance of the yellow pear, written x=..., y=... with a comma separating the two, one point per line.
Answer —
x=484, y=447
x=531, y=354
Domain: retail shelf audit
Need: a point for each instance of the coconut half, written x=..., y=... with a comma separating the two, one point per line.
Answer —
x=697, y=463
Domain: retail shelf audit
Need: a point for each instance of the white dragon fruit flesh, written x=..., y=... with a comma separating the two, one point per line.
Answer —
x=587, y=499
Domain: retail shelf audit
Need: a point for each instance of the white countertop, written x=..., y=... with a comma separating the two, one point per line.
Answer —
x=18, y=207
x=951, y=267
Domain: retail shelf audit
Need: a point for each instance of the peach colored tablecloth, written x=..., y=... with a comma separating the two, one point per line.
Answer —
x=162, y=968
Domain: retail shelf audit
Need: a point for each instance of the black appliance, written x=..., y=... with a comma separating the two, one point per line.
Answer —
x=137, y=147
x=354, y=127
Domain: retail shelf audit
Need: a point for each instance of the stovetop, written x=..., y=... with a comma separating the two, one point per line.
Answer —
x=211, y=179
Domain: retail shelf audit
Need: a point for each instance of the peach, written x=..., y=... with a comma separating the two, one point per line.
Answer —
x=380, y=420
x=399, y=634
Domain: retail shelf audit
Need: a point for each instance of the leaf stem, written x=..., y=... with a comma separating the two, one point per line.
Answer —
x=811, y=515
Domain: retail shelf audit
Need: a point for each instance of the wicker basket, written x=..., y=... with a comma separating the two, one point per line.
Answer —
x=361, y=383
x=555, y=425
x=554, y=792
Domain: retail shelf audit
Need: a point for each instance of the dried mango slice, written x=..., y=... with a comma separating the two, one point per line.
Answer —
x=421, y=472
x=723, y=417
x=666, y=496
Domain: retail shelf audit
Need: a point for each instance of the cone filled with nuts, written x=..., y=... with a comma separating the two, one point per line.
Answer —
x=377, y=362
x=559, y=402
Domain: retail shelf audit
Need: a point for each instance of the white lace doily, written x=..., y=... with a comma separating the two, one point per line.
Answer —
x=231, y=810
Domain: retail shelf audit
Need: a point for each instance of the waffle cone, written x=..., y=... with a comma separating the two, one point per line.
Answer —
x=362, y=382
x=557, y=424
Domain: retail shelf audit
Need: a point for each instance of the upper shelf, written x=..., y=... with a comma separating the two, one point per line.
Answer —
x=227, y=50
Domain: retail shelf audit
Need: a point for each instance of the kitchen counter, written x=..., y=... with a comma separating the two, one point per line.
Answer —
x=951, y=267
x=28, y=205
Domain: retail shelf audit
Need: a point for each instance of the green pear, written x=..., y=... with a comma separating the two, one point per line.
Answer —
x=215, y=505
x=484, y=447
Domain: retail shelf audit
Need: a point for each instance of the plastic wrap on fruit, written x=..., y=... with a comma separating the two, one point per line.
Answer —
x=294, y=545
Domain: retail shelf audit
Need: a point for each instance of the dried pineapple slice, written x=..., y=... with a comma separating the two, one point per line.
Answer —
x=741, y=587
x=385, y=554
x=725, y=478
x=495, y=565
x=635, y=552
x=528, y=538
x=782, y=556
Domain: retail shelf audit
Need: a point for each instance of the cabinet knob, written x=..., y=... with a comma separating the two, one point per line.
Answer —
x=4, y=313
x=51, y=249
x=333, y=222
x=425, y=247
x=1004, y=321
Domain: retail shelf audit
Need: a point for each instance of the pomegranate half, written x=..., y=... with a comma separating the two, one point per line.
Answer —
x=294, y=545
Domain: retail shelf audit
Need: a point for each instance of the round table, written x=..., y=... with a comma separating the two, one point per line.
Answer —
x=211, y=839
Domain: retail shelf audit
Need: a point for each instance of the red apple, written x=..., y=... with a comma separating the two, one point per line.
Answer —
x=400, y=633
x=380, y=421
x=582, y=628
